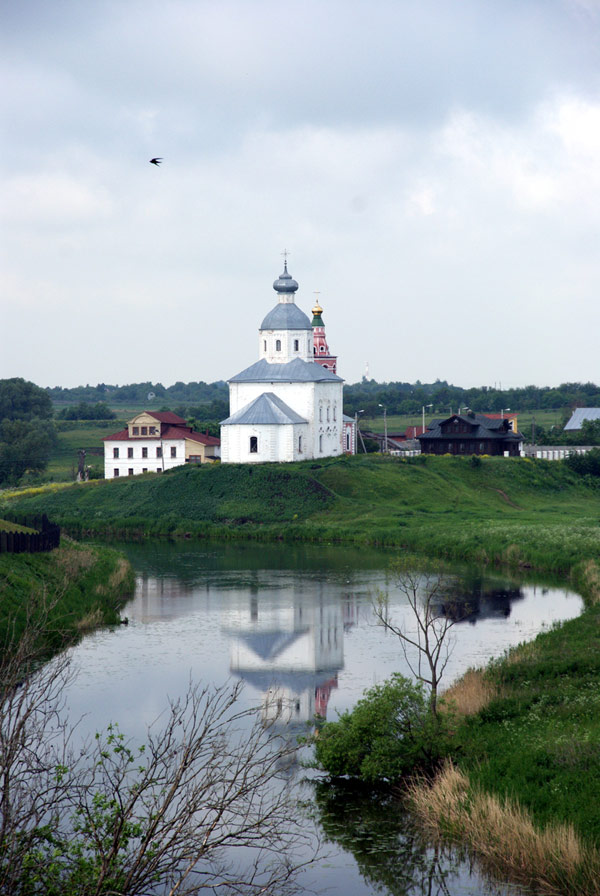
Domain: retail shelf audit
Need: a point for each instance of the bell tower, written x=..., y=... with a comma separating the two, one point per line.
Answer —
x=322, y=355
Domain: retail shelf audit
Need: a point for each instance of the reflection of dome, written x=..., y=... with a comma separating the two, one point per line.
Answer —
x=285, y=282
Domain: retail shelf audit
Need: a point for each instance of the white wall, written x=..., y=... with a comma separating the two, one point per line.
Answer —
x=275, y=443
x=137, y=463
x=287, y=339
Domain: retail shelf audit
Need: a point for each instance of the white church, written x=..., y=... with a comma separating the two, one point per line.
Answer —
x=288, y=406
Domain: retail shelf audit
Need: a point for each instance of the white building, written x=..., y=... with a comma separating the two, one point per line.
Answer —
x=285, y=407
x=155, y=441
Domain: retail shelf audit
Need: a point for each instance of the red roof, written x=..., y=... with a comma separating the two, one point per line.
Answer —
x=170, y=434
x=166, y=417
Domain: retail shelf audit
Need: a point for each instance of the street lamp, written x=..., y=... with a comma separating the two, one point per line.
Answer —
x=358, y=433
x=427, y=406
x=502, y=412
x=384, y=429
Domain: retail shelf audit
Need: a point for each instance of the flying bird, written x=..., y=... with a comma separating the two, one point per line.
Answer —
x=156, y=161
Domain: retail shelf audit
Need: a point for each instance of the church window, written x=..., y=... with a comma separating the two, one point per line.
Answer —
x=130, y=452
x=320, y=414
x=264, y=345
x=278, y=345
x=334, y=413
x=253, y=444
x=299, y=444
x=321, y=443
x=174, y=451
x=328, y=413
x=347, y=441
x=115, y=452
x=296, y=345
x=144, y=452
x=322, y=348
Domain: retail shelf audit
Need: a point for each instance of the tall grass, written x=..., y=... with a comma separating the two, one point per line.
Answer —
x=504, y=838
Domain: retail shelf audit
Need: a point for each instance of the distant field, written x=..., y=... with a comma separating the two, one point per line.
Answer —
x=65, y=455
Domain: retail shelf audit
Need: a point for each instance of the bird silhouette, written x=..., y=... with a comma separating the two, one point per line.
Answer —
x=156, y=161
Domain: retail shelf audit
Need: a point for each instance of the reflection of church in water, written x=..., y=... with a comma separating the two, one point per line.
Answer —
x=290, y=648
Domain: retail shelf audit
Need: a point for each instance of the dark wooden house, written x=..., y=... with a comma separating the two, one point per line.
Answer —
x=471, y=434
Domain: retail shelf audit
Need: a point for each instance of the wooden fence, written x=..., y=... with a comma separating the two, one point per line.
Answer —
x=45, y=538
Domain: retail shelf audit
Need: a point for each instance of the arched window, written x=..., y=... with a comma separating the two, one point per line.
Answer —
x=320, y=414
x=334, y=413
x=296, y=345
x=347, y=441
x=264, y=345
x=278, y=345
x=299, y=444
x=328, y=413
x=321, y=444
x=253, y=444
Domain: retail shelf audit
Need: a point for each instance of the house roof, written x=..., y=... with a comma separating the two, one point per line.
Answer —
x=483, y=427
x=296, y=371
x=267, y=408
x=172, y=433
x=579, y=416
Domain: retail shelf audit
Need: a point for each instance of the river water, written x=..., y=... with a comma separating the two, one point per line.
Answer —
x=295, y=623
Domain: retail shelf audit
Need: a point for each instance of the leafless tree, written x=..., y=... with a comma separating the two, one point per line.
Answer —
x=115, y=817
x=435, y=611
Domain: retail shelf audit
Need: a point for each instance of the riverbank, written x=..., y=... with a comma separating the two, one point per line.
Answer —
x=519, y=513
x=64, y=593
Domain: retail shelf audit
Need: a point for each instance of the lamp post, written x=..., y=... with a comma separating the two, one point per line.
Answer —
x=428, y=406
x=502, y=412
x=384, y=429
x=358, y=433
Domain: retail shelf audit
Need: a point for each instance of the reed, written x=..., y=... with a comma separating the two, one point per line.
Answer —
x=469, y=694
x=503, y=837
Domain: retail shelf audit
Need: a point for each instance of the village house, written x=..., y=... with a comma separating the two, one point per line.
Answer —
x=472, y=434
x=155, y=441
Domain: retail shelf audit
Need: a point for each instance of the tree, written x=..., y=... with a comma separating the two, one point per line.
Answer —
x=24, y=445
x=435, y=610
x=114, y=817
x=22, y=400
x=388, y=734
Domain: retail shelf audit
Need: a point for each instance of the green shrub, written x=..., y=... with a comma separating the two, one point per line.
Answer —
x=390, y=732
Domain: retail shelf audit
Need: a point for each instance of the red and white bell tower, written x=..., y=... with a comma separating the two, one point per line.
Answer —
x=321, y=350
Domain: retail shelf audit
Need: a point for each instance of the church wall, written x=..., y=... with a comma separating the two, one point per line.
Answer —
x=273, y=443
x=267, y=345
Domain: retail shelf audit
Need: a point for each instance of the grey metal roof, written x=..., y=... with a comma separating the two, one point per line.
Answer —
x=285, y=282
x=296, y=371
x=286, y=316
x=267, y=408
x=579, y=416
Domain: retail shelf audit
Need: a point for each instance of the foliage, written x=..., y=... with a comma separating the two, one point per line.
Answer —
x=389, y=733
x=113, y=816
x=22, y=400
x=24, y=445
x=585, y=464
x=64, y=587
x=85, y=411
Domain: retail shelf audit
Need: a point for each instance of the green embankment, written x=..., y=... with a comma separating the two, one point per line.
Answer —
x=67, y=591
x=516, y=512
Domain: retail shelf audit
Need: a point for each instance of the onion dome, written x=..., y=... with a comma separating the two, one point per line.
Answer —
x=317, y=311
x=285, y=282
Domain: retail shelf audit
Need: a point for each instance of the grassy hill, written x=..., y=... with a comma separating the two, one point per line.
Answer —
x=517, y=512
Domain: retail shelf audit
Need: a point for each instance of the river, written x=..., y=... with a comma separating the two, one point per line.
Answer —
x=295, y=623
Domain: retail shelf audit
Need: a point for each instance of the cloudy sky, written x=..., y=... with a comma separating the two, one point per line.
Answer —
x=432, y=166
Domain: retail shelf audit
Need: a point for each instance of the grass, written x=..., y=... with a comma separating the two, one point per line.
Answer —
x=517, y=512
x=73, y=585
x=64, y=459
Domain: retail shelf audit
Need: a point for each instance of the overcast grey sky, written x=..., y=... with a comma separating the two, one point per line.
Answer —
x=432, y=166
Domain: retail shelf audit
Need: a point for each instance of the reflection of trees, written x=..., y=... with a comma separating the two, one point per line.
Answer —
x=391, y=855
x=472, y=598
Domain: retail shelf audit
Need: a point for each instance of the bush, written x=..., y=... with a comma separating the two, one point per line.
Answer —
x=585, y=464
x=391, y=731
